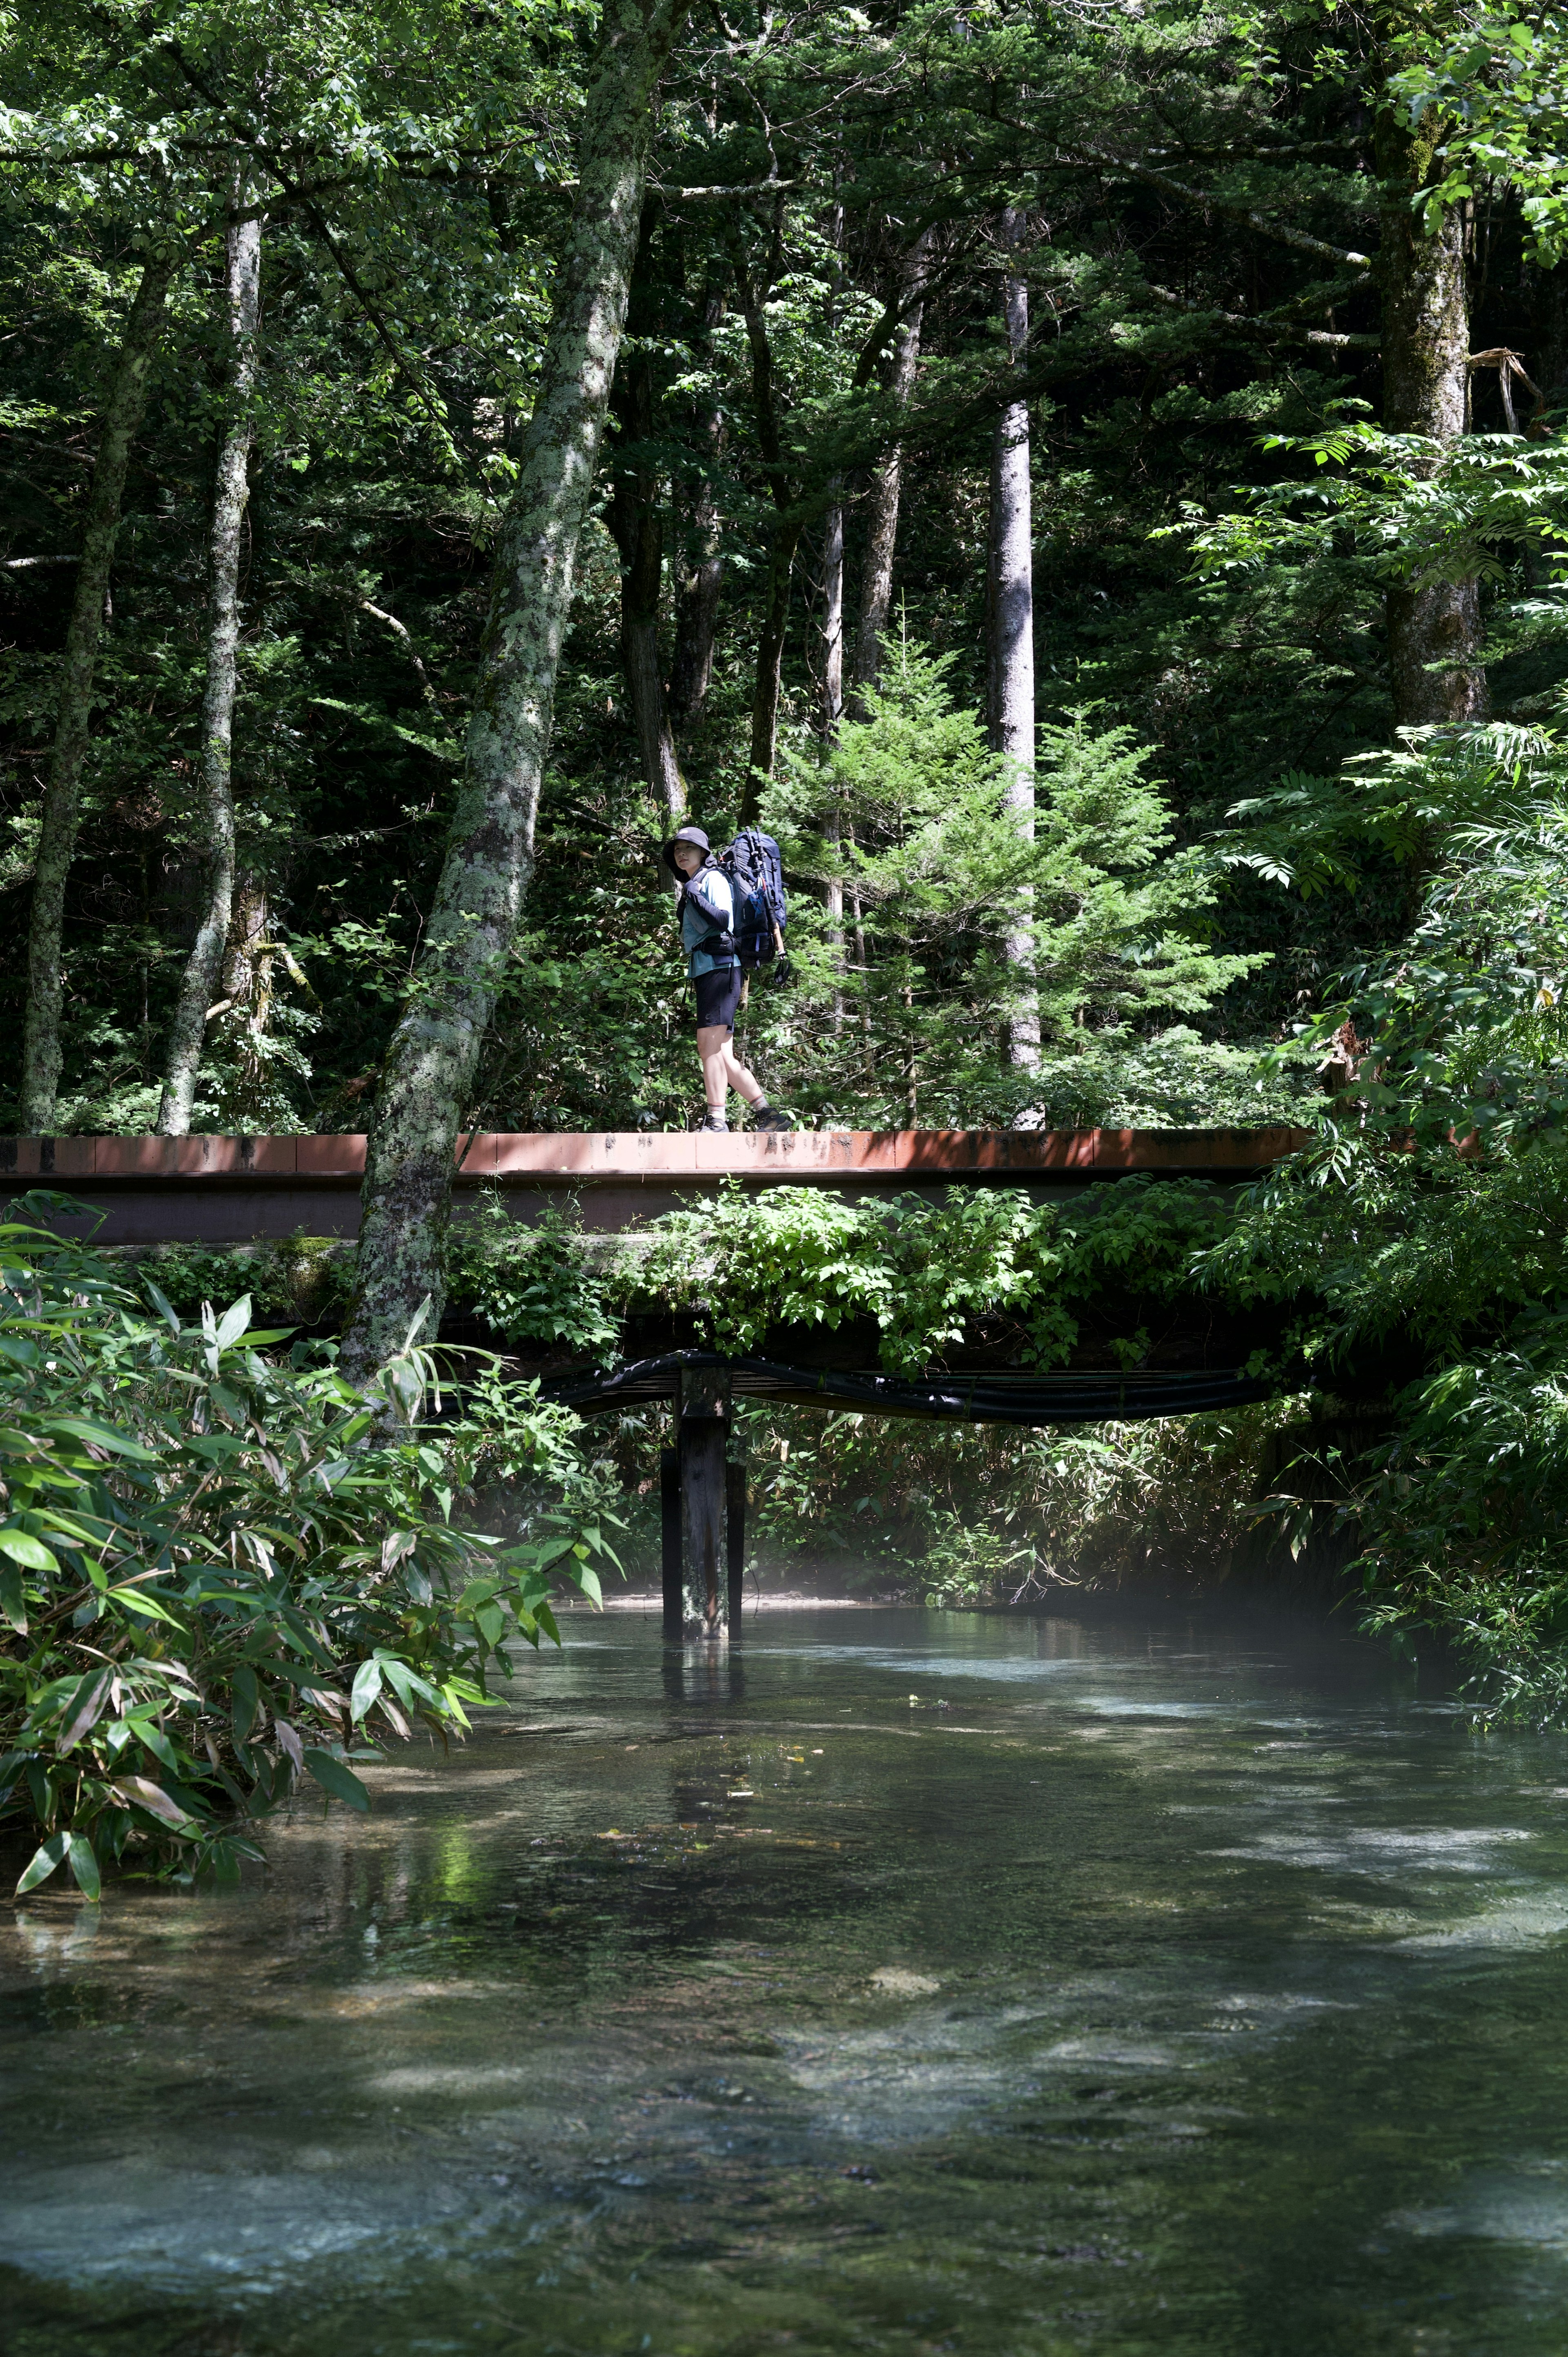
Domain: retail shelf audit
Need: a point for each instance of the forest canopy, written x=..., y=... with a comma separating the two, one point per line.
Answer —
x=1176, y=381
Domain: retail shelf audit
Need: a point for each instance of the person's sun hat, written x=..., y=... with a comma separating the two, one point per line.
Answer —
x=692, y=835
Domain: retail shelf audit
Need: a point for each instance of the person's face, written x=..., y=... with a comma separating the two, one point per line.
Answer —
x=687, y=857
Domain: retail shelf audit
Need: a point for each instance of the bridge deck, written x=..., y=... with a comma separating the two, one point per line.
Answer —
x=241, y=1189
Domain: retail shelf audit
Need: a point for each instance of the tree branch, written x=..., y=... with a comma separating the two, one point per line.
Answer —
x=1297, y=238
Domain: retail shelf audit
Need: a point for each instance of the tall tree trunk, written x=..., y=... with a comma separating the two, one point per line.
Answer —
x=886, y=485
x=430, y=1064
x=245, y=959
x=832, y=619
x=700, y=568
x=769, y=666
x=832, y=713
x=1010, y=602
x=62, y=790
x=639, y=533
x=1432, y=632
x=785, y=536
x=231, y=490
x=637, y=530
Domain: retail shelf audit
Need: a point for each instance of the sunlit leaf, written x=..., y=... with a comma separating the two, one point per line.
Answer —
x=367, y=1686
x=42, y=1863
x=24, y=1548
x=147, y=1607
x=85, y=1708
x=144, y=1793
x=84, y=1867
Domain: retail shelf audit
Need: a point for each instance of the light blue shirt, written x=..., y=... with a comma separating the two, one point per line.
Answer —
x=710, y=886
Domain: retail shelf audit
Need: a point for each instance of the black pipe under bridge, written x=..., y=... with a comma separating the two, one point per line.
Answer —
x=702, y=1485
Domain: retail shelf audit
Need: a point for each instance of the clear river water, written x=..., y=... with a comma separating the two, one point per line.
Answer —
x=908, y=1982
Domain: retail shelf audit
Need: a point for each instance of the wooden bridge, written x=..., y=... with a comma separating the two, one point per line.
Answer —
x=236, y=1191
x=247, y=1189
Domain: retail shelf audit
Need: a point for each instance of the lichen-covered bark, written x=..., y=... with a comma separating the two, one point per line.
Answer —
x=231, y=490
x=478, y=901
x=1009, y=607
x=1433, y=634
x=887, y=485
x=62, y=789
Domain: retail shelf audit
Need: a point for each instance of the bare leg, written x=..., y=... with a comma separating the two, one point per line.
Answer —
x=721, y=1071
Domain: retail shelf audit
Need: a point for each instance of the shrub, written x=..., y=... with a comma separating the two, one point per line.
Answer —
x=223, y=1571
x=927, y=1272
x=531, y=1284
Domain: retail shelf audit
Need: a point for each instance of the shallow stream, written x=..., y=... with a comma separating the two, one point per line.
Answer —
x=916, y=1983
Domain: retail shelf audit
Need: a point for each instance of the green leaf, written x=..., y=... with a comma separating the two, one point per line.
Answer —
x=143, y=1793
x=84, y=1867
x=84, y=1709
x=136, y=1599
x=103, y=1436
x=23, y=1547
x=158, y=1744
x=13, y=1604
x=162, y=1303
x=367, y=1686
x=43, y=1863
x=334, y=1779
x=234, y=1321
x=410, y=1687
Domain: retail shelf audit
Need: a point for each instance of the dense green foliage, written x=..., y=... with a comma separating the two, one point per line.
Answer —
x=220, y=1572
x=896, y=1024
x=1245, y=864
x=411, y=220
x=927, y=1275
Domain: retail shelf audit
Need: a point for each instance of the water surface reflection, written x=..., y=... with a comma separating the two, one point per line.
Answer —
x=938, y=1983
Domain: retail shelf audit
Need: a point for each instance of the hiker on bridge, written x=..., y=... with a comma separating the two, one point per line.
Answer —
x=706, y=909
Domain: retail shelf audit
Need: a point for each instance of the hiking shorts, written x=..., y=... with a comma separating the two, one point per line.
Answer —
x=718, y=996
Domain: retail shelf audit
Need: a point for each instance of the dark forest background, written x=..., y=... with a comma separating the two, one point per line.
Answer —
x=1141, y=174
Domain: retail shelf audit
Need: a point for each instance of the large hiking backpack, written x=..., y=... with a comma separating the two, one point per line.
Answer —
x=756, y=871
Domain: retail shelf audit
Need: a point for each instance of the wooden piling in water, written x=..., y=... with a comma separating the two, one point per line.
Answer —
x=735, y=1540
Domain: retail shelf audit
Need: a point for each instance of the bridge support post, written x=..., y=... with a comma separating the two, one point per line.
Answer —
x=734, y=1541
x=670, y=1578
x=701, y=1434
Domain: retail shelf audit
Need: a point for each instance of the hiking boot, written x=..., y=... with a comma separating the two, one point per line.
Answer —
x=771, y=1118
x=715, y=1121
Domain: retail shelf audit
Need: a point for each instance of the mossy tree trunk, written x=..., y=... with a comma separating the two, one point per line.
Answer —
x=431, y=1063
x=41, y=1043
x=199, y=986
x=1432, y=632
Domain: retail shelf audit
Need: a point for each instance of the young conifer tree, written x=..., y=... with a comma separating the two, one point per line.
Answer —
x=920, y=835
